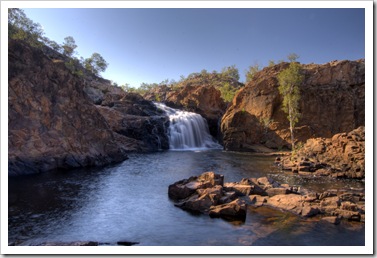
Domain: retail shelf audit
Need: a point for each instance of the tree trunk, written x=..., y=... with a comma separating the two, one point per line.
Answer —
x=291, y=128
x=292, y=136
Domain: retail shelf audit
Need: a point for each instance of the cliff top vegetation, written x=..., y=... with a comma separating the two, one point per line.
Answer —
x=20, y=27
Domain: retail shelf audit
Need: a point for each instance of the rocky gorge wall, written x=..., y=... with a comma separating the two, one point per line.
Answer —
x=203, y=100
x=332, y=101
x=53, y=121
x=60, y=120
x=200, y=94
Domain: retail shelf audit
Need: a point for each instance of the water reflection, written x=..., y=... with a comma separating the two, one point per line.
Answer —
x=129, y=202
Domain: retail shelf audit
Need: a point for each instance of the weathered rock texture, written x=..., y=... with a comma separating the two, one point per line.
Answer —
x=342, y=156
x=129, y=115
x=51, y=122
x=54, y=123
x=204, y=100
x=209, y=194
x=332, y=101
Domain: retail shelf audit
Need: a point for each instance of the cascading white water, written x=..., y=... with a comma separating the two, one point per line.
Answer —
x=188, y=130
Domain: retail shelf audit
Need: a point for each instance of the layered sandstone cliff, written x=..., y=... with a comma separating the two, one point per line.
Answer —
x=332, y=101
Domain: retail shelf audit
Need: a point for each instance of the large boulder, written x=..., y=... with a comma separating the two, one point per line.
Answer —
x=203, y=200
x=186, y=187
x=332, y=101
x=232, y=210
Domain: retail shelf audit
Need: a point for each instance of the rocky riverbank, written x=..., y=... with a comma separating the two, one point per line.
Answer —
x=208, y=194
x=341, y=156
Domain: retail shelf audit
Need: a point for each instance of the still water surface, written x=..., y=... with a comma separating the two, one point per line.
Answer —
x=129, y=202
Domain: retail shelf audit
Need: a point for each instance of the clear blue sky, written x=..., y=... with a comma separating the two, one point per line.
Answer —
x=151, y=45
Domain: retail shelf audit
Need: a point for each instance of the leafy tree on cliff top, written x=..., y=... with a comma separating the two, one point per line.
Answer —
x=69, y=46
x=96, y=64
x=252, y=71
x=227, y=92
x=22, y=28
x=231, y=72
x=290, y=80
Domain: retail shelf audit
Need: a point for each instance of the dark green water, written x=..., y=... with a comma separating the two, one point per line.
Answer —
x=129, y=202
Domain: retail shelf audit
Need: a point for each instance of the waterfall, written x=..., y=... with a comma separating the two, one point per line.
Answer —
x=188, y=130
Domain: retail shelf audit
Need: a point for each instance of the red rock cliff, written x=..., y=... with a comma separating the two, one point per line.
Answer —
x=51, y=121
x=332, y=101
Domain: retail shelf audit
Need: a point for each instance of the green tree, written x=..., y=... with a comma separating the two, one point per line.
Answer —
x=22, y=28
x=52, y=44
x=293, y=57
x=73, y=64
x=127, y=88
x=227, y=92
x=95, y=64
x=69, y=46
x=204, y=73
x=231, y=72
x=253, y=69
x=290, y=81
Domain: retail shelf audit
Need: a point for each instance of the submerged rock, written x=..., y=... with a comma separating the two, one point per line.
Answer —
x=77, y=243
x=331, y=219
x=82, y=243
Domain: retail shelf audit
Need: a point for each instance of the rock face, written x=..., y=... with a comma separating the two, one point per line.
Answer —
x=129, y=115
x=61, y=120
x=204, y=100
x=342, y=156
x=198, y=93
x=201, y=99
x=208, y=194
x=332, y=101
x=51, y=122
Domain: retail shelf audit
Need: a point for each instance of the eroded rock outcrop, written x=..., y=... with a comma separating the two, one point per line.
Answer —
x=130, y=115
x=208, y=194
x=52, y=124
x=342, y=156
x=198, y=93
x=332, y=101
x=201, y=99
